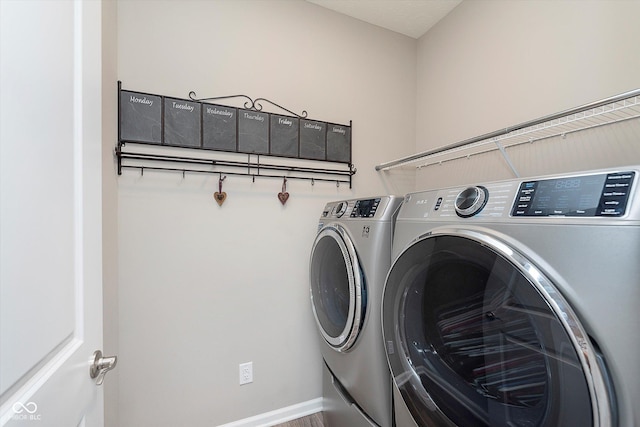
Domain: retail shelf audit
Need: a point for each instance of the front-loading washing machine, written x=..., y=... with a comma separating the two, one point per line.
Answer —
x=515, y=303
x=350, y=258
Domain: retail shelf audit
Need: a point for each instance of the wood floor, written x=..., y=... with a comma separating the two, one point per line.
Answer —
x=314, y=420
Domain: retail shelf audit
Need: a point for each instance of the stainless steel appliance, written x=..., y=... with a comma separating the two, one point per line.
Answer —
x=515, y=303
x=350, y=258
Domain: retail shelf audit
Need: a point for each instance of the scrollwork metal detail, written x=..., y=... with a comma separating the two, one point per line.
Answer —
x=251, y=104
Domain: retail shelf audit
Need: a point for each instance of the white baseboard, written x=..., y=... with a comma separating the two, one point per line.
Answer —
x=281, y=415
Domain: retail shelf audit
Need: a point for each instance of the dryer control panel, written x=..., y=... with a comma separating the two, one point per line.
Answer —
x=583, y=195
x=606, y=193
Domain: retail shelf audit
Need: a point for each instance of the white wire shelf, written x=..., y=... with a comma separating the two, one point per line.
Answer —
x=608, y=111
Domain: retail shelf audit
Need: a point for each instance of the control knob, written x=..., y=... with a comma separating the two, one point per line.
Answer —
x=471, y=200
x=340, y=209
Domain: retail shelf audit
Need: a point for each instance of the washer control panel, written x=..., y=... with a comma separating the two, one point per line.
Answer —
x=586, y=195
x=370, y=208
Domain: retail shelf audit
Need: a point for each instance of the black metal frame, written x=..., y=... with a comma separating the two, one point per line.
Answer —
x=202, y=162
x=251, y=104
x=252, y=168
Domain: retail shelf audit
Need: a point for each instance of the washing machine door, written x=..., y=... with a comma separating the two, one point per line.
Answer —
x=338, y=294
x=476, y=335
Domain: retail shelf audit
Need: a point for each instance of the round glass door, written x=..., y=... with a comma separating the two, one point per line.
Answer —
x=338, y=294
x=477, y=336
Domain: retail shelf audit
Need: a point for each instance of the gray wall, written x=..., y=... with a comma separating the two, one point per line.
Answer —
x=203, y=288
x=493, y=64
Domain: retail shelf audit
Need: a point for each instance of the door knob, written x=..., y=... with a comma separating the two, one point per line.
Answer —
x=101, y=365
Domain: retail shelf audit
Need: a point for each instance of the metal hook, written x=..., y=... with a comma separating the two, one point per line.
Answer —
x=141, y=171
x=313, y=182
x=222, y=178
x=220, y=196
x=337, y=184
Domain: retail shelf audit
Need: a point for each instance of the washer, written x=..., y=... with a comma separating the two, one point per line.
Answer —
x=515, y=303
x=350, y=258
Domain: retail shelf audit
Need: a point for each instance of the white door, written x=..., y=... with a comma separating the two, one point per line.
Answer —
x=50, y=212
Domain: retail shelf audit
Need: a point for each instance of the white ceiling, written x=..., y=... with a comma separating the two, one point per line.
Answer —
x=409, y=17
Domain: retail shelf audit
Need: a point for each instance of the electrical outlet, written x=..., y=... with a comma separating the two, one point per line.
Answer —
x=246, y=373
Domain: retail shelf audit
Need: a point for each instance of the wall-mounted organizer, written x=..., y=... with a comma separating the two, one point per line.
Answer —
x=615, y=109
x=169, y=125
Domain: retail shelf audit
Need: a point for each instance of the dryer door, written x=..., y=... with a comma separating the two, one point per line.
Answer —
x=476, y=335
x=338, y=294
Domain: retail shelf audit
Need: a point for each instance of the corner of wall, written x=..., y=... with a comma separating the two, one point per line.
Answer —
x=110, y=206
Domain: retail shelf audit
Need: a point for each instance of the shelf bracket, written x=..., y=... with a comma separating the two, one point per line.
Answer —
x=506, y=158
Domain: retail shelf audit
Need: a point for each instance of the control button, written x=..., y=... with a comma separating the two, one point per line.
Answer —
x=611, y=212
x=618, y=193
x=471, y=200
x=620, y=177
x=438, y=204
x=615, y=194
x=617, y=186
x=356, y=207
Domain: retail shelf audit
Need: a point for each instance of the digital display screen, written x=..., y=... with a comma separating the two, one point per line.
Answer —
x=365, y=208
x=590, y=195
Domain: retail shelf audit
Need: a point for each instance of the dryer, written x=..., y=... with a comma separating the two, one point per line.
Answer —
x=350, y=258
x=515, y=303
